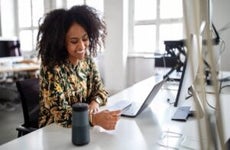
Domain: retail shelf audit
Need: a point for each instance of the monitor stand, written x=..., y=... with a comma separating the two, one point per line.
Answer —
x=182, y=113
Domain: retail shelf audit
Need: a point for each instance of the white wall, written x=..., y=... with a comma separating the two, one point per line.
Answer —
x=115, y=56
x=139, y=68
x=221, y=18
x=121, y=71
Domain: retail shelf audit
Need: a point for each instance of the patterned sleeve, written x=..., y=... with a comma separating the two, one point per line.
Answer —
x=96, y=85
x=53, y=105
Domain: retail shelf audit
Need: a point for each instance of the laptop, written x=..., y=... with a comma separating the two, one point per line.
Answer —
x=133, y=109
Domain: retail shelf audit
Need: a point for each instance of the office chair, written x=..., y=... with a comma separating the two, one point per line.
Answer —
x=29, y=94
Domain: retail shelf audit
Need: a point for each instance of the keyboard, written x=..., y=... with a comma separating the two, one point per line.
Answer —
x=131, y=109
x=120, y=105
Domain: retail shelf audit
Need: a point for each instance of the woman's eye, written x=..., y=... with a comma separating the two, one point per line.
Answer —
x=74, y=42
x=85, y=39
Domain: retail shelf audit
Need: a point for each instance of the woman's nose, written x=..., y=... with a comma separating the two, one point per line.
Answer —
x=82, y=44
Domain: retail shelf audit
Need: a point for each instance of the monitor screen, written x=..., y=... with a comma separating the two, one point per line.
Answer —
x=9, y=48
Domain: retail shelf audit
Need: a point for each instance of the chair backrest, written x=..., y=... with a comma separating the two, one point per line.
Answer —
x=29, y=94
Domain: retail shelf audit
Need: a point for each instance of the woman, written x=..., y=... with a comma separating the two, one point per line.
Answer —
x=66, y=42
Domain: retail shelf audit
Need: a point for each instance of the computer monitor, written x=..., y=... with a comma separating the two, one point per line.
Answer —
x=189, y=70
x=211, y=38
x=206, y=124
x=10, y=49
x=211, y=134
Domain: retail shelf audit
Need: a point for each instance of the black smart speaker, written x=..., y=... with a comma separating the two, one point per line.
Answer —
x=80, y=124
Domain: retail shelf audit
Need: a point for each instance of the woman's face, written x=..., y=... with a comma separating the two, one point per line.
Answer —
x=77, y=43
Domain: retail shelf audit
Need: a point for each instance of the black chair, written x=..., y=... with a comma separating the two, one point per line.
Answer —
x=29, y=94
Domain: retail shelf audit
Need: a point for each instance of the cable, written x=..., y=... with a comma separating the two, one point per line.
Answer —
x=224, y=86
x=206, y=100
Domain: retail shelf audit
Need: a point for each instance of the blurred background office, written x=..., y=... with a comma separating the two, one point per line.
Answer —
x=135, y=36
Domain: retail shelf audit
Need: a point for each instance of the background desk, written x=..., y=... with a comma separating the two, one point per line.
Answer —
x=20, y=67
x=9, y=74
x=140, y=133
x=15, y=71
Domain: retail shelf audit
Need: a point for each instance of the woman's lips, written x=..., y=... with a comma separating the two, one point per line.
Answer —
x=80, y=52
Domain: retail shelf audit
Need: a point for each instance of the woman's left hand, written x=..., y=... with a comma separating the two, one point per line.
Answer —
x=93, y=107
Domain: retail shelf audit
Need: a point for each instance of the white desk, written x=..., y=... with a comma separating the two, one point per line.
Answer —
x=140, y=133
x=29, y=67
x=20, y=67
x=18, y=64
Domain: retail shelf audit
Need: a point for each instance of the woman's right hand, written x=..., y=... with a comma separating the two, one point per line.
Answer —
x=106, y=119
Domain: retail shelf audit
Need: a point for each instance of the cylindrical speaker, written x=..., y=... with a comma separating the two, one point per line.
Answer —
x=80, y=124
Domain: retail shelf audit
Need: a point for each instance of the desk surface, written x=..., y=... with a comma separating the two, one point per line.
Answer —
x=20, y=67
x=141, y=133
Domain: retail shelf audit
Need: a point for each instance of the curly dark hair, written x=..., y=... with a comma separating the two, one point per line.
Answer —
x=52, y=32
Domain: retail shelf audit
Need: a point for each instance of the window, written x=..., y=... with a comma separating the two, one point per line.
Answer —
x=160, y=20
x=29, y=12
x=97, y=4
x=155, y=21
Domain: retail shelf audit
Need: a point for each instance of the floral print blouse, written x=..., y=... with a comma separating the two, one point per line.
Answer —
x=65, y=85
